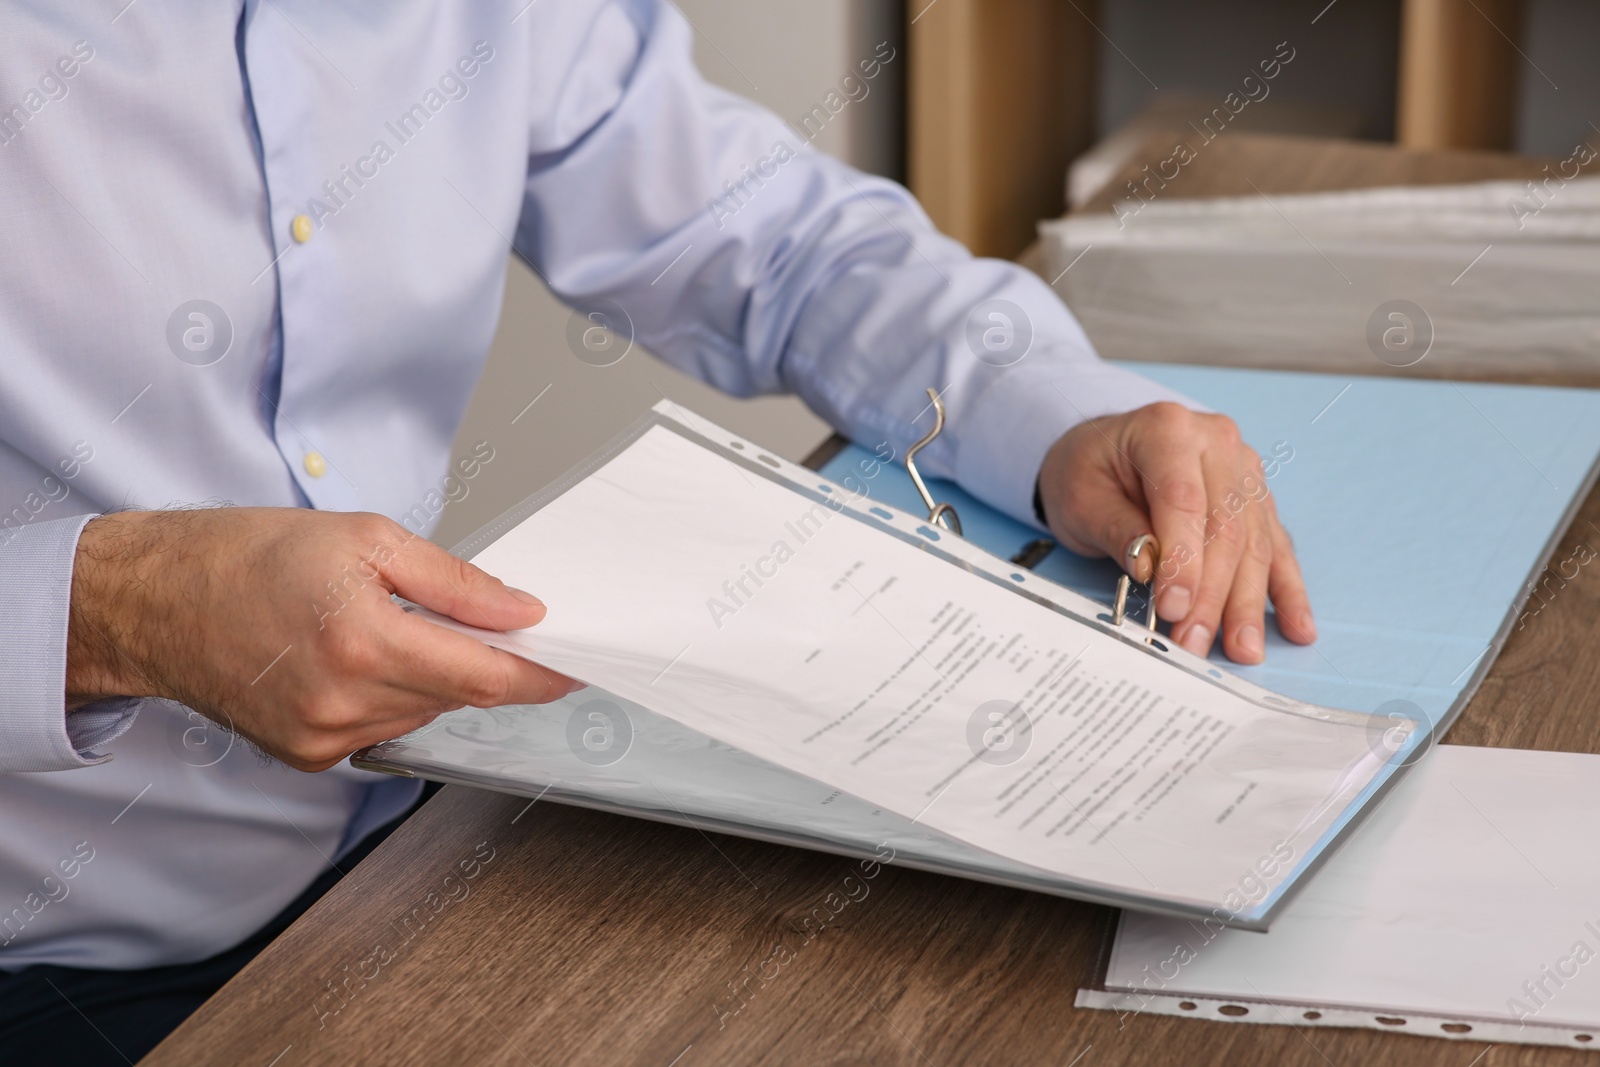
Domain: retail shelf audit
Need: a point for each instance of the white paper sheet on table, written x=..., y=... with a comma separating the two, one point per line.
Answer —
x=1468, y=906
x=788, y=626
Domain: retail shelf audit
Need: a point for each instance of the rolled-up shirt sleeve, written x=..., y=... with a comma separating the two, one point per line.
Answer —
x=36, y=731
x=710, y=230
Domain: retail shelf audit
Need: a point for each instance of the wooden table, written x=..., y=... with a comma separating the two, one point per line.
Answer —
x=489, y=931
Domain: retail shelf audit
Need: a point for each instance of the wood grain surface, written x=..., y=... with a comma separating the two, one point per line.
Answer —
x=491, y=931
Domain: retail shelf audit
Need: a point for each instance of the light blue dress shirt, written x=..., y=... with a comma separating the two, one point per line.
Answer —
x=165, y=340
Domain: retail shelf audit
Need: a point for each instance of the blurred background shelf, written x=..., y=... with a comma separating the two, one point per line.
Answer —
x=1003, y=94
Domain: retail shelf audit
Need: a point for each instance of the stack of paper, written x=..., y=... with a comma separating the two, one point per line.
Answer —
x=1490, y=277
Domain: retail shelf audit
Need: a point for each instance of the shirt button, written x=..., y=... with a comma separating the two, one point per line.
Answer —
x=300, y=229
x=315, y=465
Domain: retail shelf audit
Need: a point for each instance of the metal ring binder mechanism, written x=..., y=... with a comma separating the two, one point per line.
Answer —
x=945, y=515
x=1130, y=559
x=939, y=514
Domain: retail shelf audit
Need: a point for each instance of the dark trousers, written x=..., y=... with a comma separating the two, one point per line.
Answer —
x=70, y=1016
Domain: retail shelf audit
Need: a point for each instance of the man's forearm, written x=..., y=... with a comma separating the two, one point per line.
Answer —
x=112, y=576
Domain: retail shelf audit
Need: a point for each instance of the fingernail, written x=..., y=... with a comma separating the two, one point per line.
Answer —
x=527, y=598
x=1308, y=626
x=1249, y=640
x=1197, y=640
x=1174, y=605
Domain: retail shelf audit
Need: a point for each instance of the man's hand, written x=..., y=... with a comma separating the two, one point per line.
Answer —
x=277, y=623
x=1190, y=481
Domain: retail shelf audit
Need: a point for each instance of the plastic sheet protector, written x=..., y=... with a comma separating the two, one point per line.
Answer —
x=766, y=645
x=1467, y=908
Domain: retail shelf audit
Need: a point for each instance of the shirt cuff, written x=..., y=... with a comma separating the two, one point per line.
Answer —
x=1022, y=413
x=36, y=731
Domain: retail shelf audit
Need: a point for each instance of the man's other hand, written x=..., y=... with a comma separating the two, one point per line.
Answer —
x=278, y=623
x=1189, y=480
